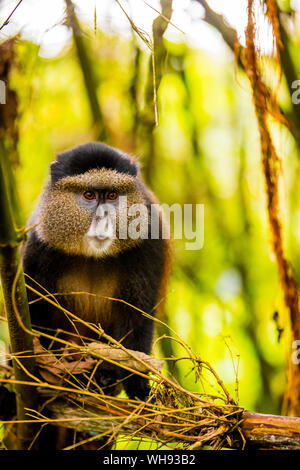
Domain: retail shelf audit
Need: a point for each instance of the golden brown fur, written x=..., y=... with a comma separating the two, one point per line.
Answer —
x=91, y=287
x=69, y=221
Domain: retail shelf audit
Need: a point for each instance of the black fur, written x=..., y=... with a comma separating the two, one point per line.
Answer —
x=141, y=271
x=88, y=156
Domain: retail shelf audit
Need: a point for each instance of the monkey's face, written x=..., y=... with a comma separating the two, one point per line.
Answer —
x=85, y=214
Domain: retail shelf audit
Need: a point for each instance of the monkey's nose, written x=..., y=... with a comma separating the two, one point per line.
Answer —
x=100, y=238
x=98, y=217
x=102, y=213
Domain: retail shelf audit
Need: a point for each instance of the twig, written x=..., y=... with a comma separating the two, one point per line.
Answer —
x=9, y=17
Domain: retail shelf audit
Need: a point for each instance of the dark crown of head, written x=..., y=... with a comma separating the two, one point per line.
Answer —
x=90, y=156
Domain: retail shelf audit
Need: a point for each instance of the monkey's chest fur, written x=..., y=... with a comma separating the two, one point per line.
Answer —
x=87, y=289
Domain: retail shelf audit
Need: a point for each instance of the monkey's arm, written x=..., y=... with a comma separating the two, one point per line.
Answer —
x=135, y=333
x=42, y=266
x=140, y=292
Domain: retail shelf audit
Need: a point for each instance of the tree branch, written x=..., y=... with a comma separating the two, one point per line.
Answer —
x=229, y=35
x=217, y=21
x=172, y=415
x=260, y=431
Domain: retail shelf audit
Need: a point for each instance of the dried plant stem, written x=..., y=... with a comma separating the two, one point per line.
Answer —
x=263, y=102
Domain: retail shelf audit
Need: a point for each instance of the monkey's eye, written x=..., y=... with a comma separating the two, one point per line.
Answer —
x=111, y=195
x=89, y=195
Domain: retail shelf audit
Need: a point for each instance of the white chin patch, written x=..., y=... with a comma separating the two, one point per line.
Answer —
x=97, y=247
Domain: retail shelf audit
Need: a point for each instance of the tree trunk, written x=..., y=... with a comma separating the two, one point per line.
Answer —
x=16, y=307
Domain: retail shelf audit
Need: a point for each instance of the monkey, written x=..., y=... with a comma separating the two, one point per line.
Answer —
x=74, y=252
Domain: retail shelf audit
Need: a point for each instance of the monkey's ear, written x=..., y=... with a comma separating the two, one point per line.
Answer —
x=134, y=161
x=55, y=171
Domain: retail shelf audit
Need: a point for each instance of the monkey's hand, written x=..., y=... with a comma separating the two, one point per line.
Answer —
x=137, y=387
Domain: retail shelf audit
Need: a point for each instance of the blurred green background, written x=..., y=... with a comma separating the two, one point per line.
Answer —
x=205, y=149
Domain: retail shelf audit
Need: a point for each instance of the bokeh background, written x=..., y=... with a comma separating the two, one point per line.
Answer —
x=224, y=300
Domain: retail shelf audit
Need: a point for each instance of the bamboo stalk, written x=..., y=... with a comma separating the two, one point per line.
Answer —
x=155, y=74
x=15, y=300
x=87, y=71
